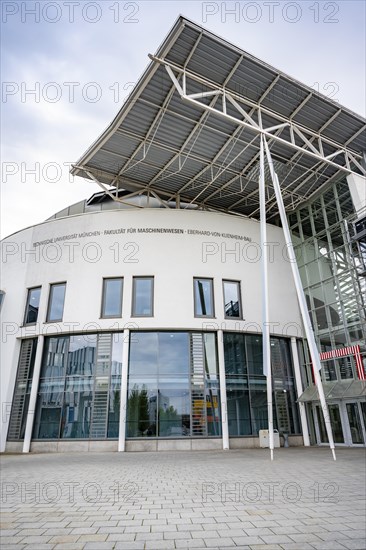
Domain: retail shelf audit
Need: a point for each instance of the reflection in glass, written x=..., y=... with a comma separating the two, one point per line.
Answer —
x=142, y=408
x=56, y=302
x=142, y=304
x=112, y=297
x=232, y=299
x=31, y=311
x=173, y=386
x=203, y=298
x=355, y=423
x=79, y=390
x=76, y=413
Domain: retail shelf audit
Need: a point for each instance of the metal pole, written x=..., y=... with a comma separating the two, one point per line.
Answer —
x=123, y=400
x=223, y=398
x=266, y=346
x=301, y=299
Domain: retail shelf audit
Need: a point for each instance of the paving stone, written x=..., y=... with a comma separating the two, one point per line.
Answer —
x=168, y=508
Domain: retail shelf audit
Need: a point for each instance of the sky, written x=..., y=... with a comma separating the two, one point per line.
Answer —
x=67, y=67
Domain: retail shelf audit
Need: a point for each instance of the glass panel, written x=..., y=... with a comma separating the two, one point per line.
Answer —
x=254, y=354
x=31, y=312
x=322, y=431
x=258, y=404
x=203, y=298
x=232, y=299
x=76, y=412
x=112, y=298
x=81, y=355
x=143, y=354
x=235, y=356
x=238, y=407
x=173, y=353
x=174, y=408
x=335, y=420
x=213, y=409
x=142, y=408
x=79, y=390
x=211, y=364
x=115, y=386
x=56, y=302
x=355, y=423
x=143, y=296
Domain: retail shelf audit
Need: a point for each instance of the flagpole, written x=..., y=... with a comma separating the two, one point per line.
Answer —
x=266, y=346
x=302, y=301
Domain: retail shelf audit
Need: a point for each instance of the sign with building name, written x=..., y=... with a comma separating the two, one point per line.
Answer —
x=140, y=230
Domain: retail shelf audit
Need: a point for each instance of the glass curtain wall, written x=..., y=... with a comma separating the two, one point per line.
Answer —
x=173, y=385
x=79, y=389
x=329, y=261
x=247, y=390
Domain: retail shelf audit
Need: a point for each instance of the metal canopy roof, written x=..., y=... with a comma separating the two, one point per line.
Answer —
x=190, y=130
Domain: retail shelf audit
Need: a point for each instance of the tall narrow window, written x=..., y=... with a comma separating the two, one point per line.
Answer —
x=56, y=302
x=203, y=298
x=232, y=302
x=112, y=297
x=143, y=296
x=31, y=310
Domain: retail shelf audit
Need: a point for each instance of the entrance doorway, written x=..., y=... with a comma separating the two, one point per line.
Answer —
x=348, y=419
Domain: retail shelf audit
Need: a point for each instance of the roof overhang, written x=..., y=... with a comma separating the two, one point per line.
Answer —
x=190, y=130
x=342, y=389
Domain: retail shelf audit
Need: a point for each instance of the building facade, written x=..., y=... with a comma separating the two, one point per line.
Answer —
x=134, y=320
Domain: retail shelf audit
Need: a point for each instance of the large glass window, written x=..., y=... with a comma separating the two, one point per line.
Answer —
x=173, y=385
x=143, y=296
x=79, y=390
x=246, y=385
x=203, y=298
x=56, y=302
x=112, y=297
x=232, y=301
x=32, y=307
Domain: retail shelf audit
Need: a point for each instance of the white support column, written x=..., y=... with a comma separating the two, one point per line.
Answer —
x=266, y=346
x=302, y=301
x=223, y=400
x=33, y=395
x=299, y=390
x=123, y=392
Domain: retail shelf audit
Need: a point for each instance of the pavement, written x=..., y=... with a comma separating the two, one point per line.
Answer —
x=173, y=500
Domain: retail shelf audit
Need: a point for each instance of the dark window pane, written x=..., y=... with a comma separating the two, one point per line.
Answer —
x=56, y=302
x=31, y=312
x=254, y=354
x=143, y=296
x=203, y=298
x=232, y=299
x=112, y=298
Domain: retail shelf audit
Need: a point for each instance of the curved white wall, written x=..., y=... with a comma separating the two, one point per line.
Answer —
x=83, y=249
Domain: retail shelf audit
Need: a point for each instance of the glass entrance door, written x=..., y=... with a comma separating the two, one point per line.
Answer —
x=355, y=422
x=336, y=422
x=348, y=421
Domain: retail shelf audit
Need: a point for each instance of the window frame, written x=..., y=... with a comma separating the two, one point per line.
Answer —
x=29, y=291
x=103, y=315
x=238, y=285
x=212, y=296
x=50, y=296
x=151, y=313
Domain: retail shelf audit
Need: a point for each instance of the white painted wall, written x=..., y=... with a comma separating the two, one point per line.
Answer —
x=173, y=259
